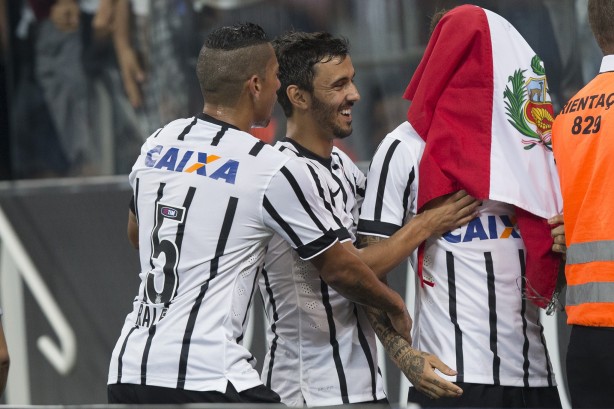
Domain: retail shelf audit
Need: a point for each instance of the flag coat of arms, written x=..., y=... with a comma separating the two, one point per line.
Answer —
x=480, y=101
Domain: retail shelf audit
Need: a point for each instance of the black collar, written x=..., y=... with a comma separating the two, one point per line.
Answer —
x=308, y=154
x=216, y=121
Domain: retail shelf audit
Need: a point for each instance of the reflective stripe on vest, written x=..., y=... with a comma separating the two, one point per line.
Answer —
x=590, y=251
x=590, y=293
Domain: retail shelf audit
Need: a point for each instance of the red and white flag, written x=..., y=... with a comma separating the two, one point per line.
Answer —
x=480, y=101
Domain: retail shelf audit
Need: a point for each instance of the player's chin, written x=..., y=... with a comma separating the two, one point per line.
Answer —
x=262, y=124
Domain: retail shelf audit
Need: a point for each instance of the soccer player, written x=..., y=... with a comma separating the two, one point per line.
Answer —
x=207, y=197
x=471, y=309
x=332, y=358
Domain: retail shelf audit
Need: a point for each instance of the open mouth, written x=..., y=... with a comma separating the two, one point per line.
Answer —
x=347, y=113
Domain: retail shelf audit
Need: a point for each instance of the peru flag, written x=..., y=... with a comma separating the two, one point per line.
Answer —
x=480, y=101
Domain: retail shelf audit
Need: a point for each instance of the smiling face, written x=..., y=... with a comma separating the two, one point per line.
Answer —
x=334, y=94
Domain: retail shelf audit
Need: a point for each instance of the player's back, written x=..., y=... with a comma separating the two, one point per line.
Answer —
x=199, y=189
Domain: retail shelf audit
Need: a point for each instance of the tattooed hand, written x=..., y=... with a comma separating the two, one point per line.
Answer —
x=419, y=367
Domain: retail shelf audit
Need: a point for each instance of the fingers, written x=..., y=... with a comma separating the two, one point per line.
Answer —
x=559, y=238
x=559, y=248
x=438, y=364
x=558, y=234
x=437, y=387
x=558, y=219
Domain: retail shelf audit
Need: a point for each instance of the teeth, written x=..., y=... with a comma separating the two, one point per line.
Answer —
x=346, y=112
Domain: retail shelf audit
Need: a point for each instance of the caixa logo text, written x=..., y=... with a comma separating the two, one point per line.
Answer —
x=485, y=228
x=201, y=163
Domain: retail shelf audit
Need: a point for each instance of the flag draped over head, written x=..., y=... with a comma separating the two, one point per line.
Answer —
x=480, y=101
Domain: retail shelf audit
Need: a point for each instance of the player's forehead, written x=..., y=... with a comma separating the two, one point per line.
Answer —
x=332, y=69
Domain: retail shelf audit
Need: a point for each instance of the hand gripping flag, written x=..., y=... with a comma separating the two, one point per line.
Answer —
x=480, y=102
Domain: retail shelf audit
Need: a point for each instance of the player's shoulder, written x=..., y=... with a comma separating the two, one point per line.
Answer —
x=286, y=147
x=403, y=140
x=406, y=134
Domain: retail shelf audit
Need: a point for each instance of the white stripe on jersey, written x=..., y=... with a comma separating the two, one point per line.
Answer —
x=470, y=312
x=322, y=349
x=208, y=199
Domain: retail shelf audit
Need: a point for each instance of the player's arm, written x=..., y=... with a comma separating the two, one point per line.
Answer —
x=293, y=208
x=353, y=279
x=419, y=367
x=133, y=225
x=448, y=213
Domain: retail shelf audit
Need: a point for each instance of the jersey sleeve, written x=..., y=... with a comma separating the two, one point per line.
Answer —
x=391, y=190
x=295, y=211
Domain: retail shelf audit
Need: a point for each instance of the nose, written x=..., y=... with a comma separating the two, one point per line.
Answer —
x=353, y=94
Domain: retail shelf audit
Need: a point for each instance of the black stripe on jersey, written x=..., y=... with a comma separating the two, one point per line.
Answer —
x=345, y=194
x=406, y=192
x=332, y=331
x=186, y=130
x=273, y=347
x=523, y=310
x=351, y=184
x=249, y=303
x=219, y=251
x=257, y=148
x=187, y=336
x=492, y=317
x=282, y=223
x=327, y=205
x=360, y=192
x=458, y=334
x=218, y=136
x=301, y=198
x=158, y=133
x=224, y=234
x=381, y=186
x=120, y=363
x=215, y=121
x=377, y=227
x=152, y=332
x=135, y=198
x=364, y=344
x=548, y=363
x=304, y=251
x=181, y=227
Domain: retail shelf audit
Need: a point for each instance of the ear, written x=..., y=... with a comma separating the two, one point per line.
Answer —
x=298, y=97
x=254, y=85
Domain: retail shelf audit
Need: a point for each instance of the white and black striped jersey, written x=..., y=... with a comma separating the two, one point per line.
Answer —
x=322, y=350
x=208, y=198
x=470, y=311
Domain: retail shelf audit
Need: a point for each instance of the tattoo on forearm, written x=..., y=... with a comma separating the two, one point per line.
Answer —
x=409, y=360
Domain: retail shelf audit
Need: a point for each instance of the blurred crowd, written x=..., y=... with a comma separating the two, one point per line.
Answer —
x=84, y=82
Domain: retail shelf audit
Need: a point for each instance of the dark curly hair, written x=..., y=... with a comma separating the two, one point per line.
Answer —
x=297, y=54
